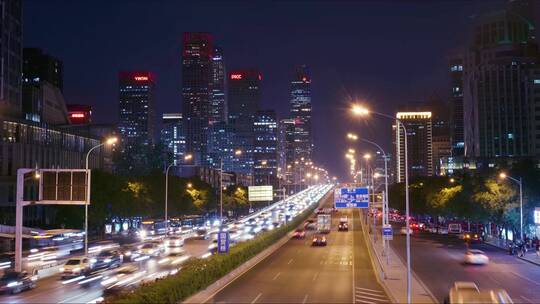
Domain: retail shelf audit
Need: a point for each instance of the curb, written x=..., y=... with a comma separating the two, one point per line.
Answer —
x=518, y=257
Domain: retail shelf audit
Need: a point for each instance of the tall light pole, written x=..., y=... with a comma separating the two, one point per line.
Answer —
x=109, y=141
x=361, y=111
x=520, y=183
x=355, y=137
x=187, y=157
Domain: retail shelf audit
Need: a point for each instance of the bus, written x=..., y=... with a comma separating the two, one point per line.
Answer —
x=150, y=228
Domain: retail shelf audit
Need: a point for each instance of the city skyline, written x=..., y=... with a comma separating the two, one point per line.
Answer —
x=330, y=93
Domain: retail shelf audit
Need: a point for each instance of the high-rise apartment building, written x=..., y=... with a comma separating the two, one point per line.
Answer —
x=219, y=105
x=197, y=94
x=265, y=154
x=39, y=66
x=301, y=112
x=136, y=106
x=419, y=145
x=173, y=137
x=244, y=95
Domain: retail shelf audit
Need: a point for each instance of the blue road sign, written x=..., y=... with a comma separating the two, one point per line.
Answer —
x=223, y=242
x=388, y=233
x=351, y=198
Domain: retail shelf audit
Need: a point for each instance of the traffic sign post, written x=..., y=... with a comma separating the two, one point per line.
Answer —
x=223, y=242
x=387, y=232
x=351, y=198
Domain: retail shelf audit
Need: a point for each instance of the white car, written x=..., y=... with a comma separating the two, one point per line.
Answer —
x=76, y=267
x=150, y=249
x=476, y=257
x=174, y=241
x=403, y=230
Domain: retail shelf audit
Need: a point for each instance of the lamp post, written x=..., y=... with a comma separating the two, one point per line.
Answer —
x=361, y=111
x=520, y=183
x=385, y=203
x=109, y=141
x=188, y=157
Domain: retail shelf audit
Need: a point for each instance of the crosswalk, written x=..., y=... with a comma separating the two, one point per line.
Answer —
x=369, y=296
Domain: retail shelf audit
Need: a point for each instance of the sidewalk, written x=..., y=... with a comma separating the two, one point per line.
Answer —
x=393, y=274
x=530, y=256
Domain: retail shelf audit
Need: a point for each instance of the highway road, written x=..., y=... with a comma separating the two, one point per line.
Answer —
x=437, y=261
x=341, y=272
x=90, y=288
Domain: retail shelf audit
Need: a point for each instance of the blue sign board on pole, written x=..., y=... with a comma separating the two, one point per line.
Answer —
x=223, y=242
x=388, y=233
x=351, y=198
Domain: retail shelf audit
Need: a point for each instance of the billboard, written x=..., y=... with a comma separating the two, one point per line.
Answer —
x=537, y=215
x=351, y=198
x=260, y=193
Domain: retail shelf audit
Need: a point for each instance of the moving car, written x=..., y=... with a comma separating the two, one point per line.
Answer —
x=76, y=267
x=476, y=257
x=343, y=224
x=152, y=249
x=15, y=282
x=130, y=253
x=403, y=230
x=318, y=240
x=109, y=258
x=299, y=234
x=174, y=241
x=468, y=292
x=471, y=237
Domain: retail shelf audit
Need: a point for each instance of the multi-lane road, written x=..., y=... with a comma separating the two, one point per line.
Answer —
x=341, y=272
x=438, y=261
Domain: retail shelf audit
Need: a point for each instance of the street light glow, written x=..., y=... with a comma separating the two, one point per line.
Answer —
x=502, y=175
x=352, y=151
x=359, y=110
x=189, y=185
x=352, y=136
x=367, y=156
x=238, y=152
x=188, y=157
x=111, y=140
x=452, y=180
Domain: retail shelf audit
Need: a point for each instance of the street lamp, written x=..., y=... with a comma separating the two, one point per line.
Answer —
x=520, y=183
x=109, y=141
x=189, y=185
x=362, y=111
x=187, y=157
x=452, y=180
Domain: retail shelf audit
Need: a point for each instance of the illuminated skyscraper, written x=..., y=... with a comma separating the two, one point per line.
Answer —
x=301, y=112
x=11, y=58
x=265, y=154
x=173, y=137
x=197, y=79
x=136, y=98
x=219, y=105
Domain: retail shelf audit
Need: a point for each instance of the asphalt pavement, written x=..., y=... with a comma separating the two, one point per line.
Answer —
x=438, y=261
x=300, y=273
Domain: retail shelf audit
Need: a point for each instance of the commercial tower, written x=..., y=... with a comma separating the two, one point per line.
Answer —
x=419, y=144
x=286, y=150
x=501, y=86
x=265, y=156
x=39, y=66
x=11, y=55
x=136, y=106
x=197, y=94
x=244, y=95
x=218, y=107
x=173, y=137
x=301, y=112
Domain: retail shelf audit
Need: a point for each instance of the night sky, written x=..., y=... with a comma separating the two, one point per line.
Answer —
x=386, y=52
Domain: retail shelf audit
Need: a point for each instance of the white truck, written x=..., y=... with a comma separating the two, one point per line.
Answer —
x=323, y=223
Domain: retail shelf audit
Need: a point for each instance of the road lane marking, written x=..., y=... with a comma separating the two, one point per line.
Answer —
x=527, y=299
x=256, y=298
x=290, y=261
x=366, y=302
x=305, y=299
x=276, y=276
x=372, y=290
x=315, y=277
x=352, y=228
x=525, y=278
x=370, y=298
x=361, y=293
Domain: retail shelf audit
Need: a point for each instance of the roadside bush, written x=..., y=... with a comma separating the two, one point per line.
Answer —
x=197, y=274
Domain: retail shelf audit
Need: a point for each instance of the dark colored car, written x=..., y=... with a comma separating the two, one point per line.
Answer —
x=15, y=282
x=299, y=234
x=109, y=259
x=343, y=226
x=319, y=240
